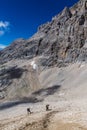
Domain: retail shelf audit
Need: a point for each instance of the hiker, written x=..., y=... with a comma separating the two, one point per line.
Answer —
x=28, y=111
x=47, y=107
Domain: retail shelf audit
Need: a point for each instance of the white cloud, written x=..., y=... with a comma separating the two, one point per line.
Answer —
x=4, y=24
x=4, y=27
x=2, y=46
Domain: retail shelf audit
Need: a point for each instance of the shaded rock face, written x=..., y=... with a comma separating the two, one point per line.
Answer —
x=61, y=40
x=18, y=49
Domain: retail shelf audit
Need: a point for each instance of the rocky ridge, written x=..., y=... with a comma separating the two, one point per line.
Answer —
x=61, y=40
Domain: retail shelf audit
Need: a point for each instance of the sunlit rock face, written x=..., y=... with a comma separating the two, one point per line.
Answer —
x=62, y=40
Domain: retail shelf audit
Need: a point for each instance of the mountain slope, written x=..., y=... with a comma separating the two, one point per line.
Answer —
x=56, y=43
x=63, y=39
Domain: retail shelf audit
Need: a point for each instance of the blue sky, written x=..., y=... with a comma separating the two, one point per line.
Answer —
x=21, y=18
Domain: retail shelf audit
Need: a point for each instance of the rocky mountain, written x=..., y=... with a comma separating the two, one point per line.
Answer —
x=61, y=41
x=49, y=69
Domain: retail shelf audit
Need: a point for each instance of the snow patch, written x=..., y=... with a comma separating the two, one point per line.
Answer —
x=34, y=65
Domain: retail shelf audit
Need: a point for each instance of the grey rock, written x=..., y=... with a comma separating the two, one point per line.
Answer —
x=61, y=39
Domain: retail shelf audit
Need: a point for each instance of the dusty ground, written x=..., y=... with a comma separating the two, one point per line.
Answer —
x=64, y=115
x=65, y=90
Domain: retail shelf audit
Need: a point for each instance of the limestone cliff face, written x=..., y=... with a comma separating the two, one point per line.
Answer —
x=63, y=39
